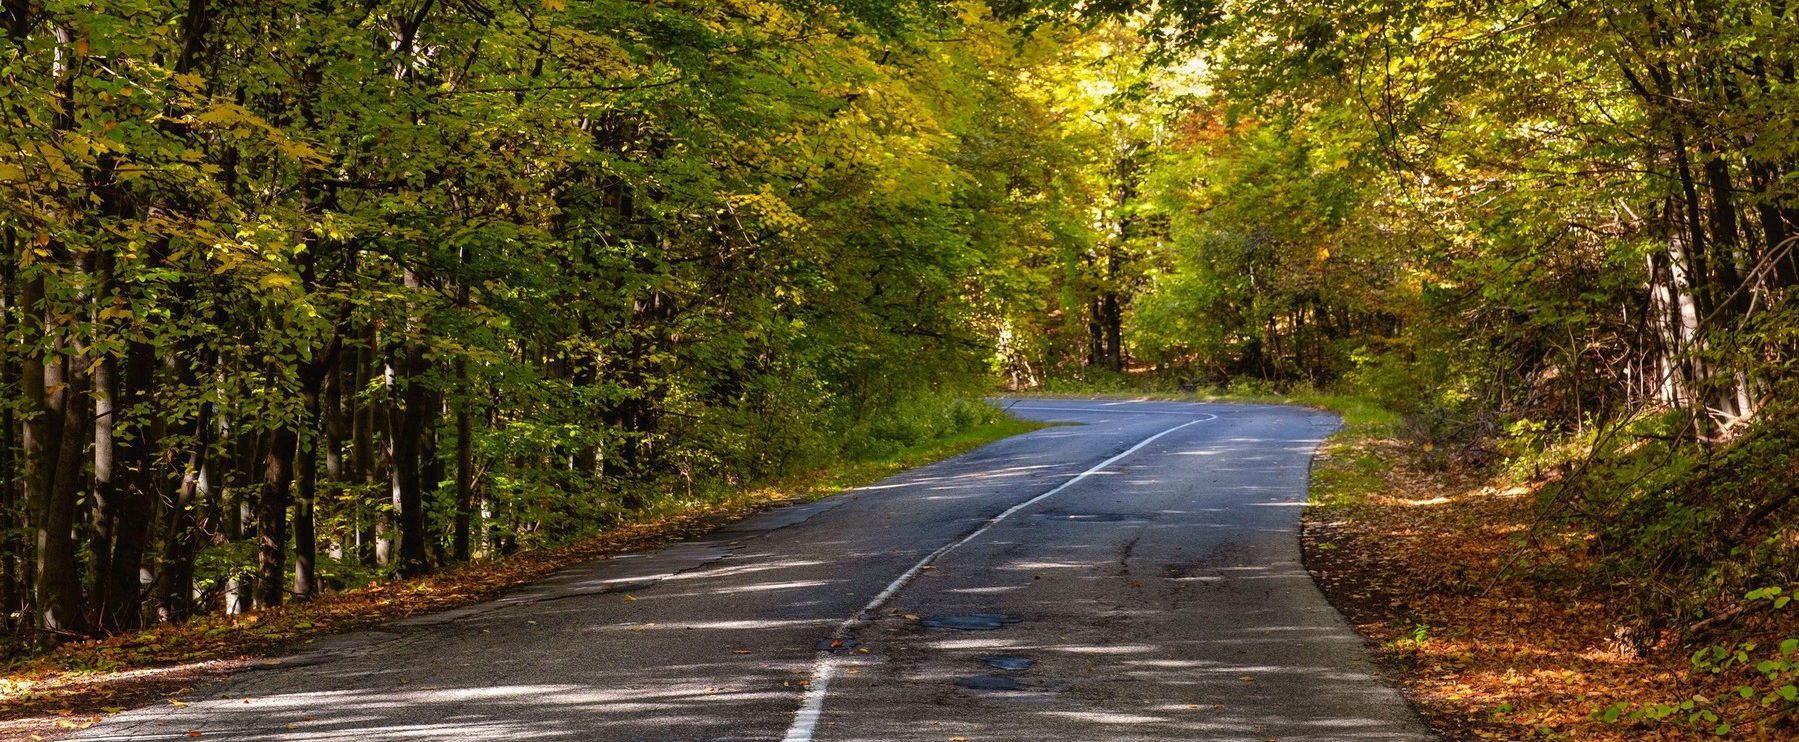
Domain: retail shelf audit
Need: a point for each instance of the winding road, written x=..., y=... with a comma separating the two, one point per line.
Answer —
x=1133, y=577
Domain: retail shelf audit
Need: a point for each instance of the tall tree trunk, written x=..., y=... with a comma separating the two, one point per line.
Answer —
x=1113, y=320
x=12, y=548
x=1096, y=344
x=374, y=546
x=271, y=516
x=56, y=593
x=306, y=546
x=132, y=507
x=408, y=414
x=465, y=483
x=239, y=503
x=406, y=427
x=67, y=480
x=103, y=508
x=431, y=470
x=174, y=586
x=313, y=375
x=53, y=397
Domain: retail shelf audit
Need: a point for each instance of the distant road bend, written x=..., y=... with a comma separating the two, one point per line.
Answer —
x=1134, y=577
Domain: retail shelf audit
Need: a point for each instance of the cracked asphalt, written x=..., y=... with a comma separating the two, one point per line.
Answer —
x=1159, y=598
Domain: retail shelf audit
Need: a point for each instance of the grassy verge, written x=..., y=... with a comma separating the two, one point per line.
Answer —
x=72, y=686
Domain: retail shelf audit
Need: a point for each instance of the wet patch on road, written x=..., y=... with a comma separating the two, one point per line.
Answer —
x=970, y=621
x=990, y=682
x=1063, y=517
x=1008, y=662
x=838, y=644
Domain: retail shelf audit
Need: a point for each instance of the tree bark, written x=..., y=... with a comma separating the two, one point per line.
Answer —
x=406, y=426
x=103, y=508
x=132, y=506
x=271, y=517
x=56, y=594
x=408, y=413
x=465, y=484
x=306, y=576
x=313, y=376
x=174, y=585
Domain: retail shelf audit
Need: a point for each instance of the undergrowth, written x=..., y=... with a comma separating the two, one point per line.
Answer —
x=31, y=681
x=1684, y=551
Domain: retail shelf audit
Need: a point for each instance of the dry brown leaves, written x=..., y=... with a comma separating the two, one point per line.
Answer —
x=1415, y=562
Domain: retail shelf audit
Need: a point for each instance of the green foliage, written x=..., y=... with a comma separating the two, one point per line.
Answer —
x=1558, y=239
x=1767, y=691
x=624, y=254
x=1707, y=524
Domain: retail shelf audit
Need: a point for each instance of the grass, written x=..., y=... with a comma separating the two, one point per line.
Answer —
x=827, y=481
x=71, y=685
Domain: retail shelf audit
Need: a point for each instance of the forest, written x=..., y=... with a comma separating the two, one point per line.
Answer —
x=301, y=295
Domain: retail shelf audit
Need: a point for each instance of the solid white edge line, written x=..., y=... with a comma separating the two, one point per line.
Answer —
x=805, y=720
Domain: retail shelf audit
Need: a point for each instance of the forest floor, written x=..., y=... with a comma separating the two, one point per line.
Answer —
x=1494, y=634
x=75, y=685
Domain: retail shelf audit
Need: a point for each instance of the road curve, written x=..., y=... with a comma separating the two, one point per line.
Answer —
x=1133, y=577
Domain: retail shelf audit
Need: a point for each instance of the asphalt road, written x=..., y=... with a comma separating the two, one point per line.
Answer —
x=1135, y=577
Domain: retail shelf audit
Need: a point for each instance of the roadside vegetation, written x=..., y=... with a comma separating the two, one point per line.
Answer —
x=76, y=684
x=1556, y=242
x=1510, y=613
x=305, y=296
